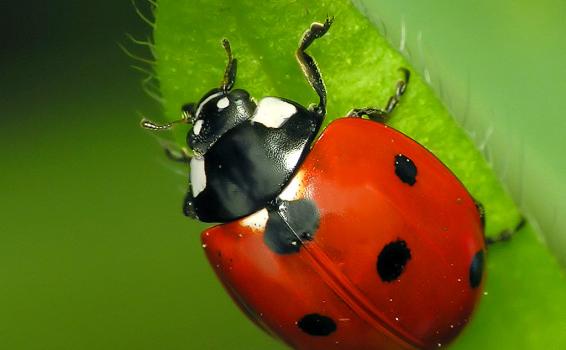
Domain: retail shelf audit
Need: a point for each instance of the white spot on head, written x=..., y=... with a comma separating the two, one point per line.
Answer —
x=213, y=96
x=223, y=103
x=273, y=112
x=198, y=176
x=197, y=127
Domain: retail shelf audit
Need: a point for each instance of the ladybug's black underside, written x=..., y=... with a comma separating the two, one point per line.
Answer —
x=251, y=163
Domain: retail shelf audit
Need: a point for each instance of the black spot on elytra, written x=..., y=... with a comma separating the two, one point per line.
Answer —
x=481, y=212
x=317, y=325
x=476, y=269
x=289, y=224
x=392, y=260
x=405, y=169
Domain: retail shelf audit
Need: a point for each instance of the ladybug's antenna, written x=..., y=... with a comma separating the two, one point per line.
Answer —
x=187, y=112
x=231, y=68
x=148, y=124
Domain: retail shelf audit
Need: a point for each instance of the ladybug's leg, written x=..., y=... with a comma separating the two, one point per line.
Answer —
x=183, y=155
x=505, y=235
x=375, y=114
x=188, y=204
x=231, y=68
x=308, y=65
x=378, y=114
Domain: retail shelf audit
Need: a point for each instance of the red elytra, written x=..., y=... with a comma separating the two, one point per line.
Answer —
x=331, y=294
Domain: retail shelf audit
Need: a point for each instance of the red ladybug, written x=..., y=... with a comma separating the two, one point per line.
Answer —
x=361, y=239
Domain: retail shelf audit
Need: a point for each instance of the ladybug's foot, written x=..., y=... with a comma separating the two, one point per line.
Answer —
x=375, y=114
x=231, y=68
x=308, y=64
x=381, y=115
x=505, y=235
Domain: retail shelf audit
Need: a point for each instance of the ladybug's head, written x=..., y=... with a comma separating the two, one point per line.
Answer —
x=218, y=111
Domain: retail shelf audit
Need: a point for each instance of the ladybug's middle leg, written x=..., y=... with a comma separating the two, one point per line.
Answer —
x=378, y=114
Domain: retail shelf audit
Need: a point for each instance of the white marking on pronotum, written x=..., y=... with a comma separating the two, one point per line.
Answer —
x=198, y=176
x=197, y=127
x=292, y=158
x=291, y=191
x=223, y=103
x=199, y=108
x=256, y=221
x=273, y=112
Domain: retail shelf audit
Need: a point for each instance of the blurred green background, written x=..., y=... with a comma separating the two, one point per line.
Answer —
x=94, y=251
x=499, y=67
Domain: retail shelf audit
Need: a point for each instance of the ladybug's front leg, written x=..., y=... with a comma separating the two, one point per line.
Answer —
x=183, y=155
x=308, y=64
x=189, y=205
x=378, y=114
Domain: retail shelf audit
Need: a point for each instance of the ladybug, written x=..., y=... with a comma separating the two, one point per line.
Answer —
x=358, y=239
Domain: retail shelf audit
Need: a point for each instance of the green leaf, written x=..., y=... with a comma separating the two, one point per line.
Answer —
x=525, y=305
